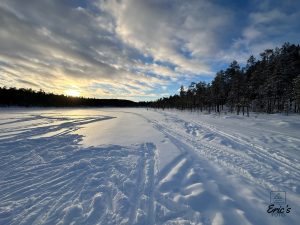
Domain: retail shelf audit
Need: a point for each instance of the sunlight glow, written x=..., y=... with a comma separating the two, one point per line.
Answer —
x=72, y=92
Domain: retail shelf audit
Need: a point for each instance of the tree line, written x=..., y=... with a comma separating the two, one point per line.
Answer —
x=28, y=97
x=269, y=84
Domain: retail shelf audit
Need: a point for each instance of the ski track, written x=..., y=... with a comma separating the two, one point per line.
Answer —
x=54, y=180
x=218, y=177
x=253, y=161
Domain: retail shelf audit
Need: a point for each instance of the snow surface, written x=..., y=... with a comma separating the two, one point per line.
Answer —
x=138, y=166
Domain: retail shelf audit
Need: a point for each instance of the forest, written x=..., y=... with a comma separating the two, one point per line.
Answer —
x=270, y=84
x=28, y=97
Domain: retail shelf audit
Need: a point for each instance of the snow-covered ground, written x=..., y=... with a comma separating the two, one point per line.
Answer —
x=138, y=166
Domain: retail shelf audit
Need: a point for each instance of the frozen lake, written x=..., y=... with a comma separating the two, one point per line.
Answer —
x=139, y=166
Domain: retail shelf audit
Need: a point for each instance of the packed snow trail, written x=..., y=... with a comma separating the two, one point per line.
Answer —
x=138, y=166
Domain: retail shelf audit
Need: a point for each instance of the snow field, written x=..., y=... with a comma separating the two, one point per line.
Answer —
x=138, y=166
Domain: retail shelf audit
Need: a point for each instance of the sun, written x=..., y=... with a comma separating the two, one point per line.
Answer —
x=72, y=92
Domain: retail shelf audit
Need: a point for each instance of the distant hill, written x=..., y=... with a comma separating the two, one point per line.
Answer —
x=29, y=97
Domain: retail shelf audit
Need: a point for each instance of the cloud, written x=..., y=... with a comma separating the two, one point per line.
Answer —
x=169, y=30
x=130, y=48
x=43, y=44
x=270, y=25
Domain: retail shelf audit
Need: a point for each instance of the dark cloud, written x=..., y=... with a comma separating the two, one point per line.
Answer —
x=26, y=82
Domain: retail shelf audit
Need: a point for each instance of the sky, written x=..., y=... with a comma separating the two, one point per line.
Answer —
x=134, y=49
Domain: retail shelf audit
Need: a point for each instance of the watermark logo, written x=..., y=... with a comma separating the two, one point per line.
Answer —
x=278, y=197
x=278, y=206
